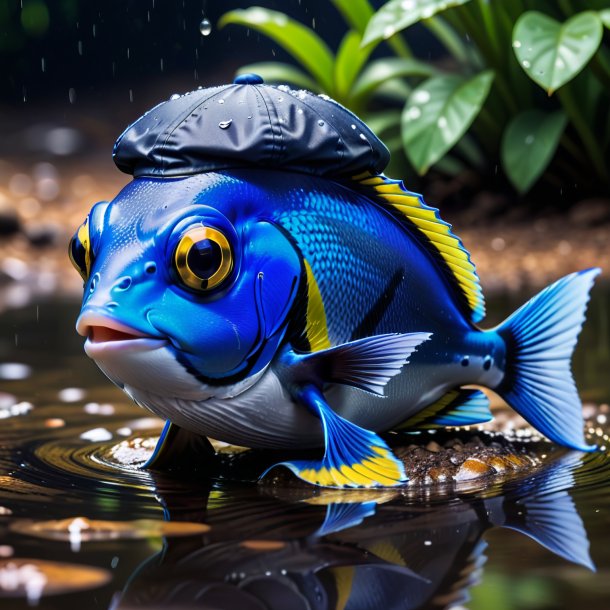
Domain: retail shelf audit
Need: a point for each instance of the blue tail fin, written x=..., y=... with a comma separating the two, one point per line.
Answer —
x=540, y=338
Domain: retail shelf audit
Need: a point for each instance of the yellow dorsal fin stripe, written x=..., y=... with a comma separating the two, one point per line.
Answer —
x=316, y=329
x=434, y=232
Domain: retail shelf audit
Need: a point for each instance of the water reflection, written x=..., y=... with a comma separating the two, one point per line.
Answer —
x=263, y=546
x=264, y=551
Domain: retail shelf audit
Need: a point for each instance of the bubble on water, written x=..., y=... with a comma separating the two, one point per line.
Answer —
x=71, y=394
x=96, y=435
x=13, y=371
x=225, y=124
x=205, y=27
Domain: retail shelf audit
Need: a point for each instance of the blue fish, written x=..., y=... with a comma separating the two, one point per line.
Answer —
x=279, y=291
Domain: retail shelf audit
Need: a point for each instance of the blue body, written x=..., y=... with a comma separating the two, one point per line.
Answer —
x=373, y=278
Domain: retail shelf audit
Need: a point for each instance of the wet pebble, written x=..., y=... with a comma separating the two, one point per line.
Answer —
x=87, y=530
x=36, y=578
x=71, y=394
x=473, y=468
x=13, y=371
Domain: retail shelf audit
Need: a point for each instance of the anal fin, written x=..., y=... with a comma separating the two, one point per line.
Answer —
x=460, y=407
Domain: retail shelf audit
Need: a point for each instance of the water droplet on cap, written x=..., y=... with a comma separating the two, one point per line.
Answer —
x=225, y=124
x=321, y=123
x=174, y=96
x=221, y=101
x=205, y=27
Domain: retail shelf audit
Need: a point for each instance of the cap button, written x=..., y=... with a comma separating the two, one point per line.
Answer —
x=248, y=79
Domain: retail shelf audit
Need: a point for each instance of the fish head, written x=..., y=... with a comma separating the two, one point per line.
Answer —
x=188, y=286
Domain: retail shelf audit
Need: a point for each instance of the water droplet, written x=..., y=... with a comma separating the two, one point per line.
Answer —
x=249, y=116
x=205, y=27
x=389, y=31
x=80, y=47
x=559, y=63
x=516, y=44
x=72, y=95
x=299, y=111
x=529, y=139
x=353, y=126
x=525, y=63
x=321, y=123
x=421, y=97
x=441, y=122
x=225, y=124
x=42, y=63
x=174, y=96
x=221, y=101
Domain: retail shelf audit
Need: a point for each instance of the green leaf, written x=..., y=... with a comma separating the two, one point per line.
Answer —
x=350, y=59
x=301, y=42
x=276, y=72
x=397, y=15
x=528, y=145
x=382, y=70
x=438, y=113
x=356, y=13
x=605, y=17
x=552, y=53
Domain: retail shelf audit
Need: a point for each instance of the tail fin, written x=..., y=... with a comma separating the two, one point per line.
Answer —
x=540, y=338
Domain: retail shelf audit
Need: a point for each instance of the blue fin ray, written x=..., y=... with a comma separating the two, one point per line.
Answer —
x=367, y=363
x=540, y=337
x=456, y=408
x=354, y=457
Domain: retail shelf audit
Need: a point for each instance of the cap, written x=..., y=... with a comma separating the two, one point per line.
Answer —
x=249, y=124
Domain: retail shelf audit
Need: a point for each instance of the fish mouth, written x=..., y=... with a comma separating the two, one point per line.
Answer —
x=106, y=335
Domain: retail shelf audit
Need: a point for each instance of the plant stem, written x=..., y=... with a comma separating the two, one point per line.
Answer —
x=449, y=38
x=572, y=109
x=600, y=66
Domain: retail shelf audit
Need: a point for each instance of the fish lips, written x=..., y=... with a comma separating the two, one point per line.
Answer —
x=106, y=336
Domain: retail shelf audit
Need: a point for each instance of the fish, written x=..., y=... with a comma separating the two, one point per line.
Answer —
x=295, y=297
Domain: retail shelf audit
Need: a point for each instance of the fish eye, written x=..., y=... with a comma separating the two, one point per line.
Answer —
x=203, y=258
x=79, y=250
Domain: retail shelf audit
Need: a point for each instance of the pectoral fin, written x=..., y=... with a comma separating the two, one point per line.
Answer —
x=367, y=363
x=179, y=449
x=354, y=457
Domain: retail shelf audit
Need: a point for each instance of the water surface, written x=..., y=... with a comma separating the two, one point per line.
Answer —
x=524, y=542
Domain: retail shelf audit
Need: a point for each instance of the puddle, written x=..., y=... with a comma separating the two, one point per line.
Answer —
x=74, y=505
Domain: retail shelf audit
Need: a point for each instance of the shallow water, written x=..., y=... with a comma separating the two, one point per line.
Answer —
x=523, y=542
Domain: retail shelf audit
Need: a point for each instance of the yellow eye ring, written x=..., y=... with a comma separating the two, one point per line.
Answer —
x=79, y=250
x=203, y=258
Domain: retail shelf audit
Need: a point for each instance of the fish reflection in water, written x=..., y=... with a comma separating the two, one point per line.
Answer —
x=379, y=552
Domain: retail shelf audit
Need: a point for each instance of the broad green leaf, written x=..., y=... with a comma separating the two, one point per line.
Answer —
x=382, y=70
x=301, y=42
x=438, y=113
x=350, y=59
x=528, y=145
x=397, y=15
x=356, y=13
x=276, y=72
x=605, y=17
x=552, y=53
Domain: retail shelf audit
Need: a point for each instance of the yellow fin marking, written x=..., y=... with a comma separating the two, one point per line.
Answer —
x=437, y=232
x=316, y=328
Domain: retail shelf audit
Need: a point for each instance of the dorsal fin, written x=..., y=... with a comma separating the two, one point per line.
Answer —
x=435, y=234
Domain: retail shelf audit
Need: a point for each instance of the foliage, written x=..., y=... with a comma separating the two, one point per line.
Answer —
x=528, y=81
